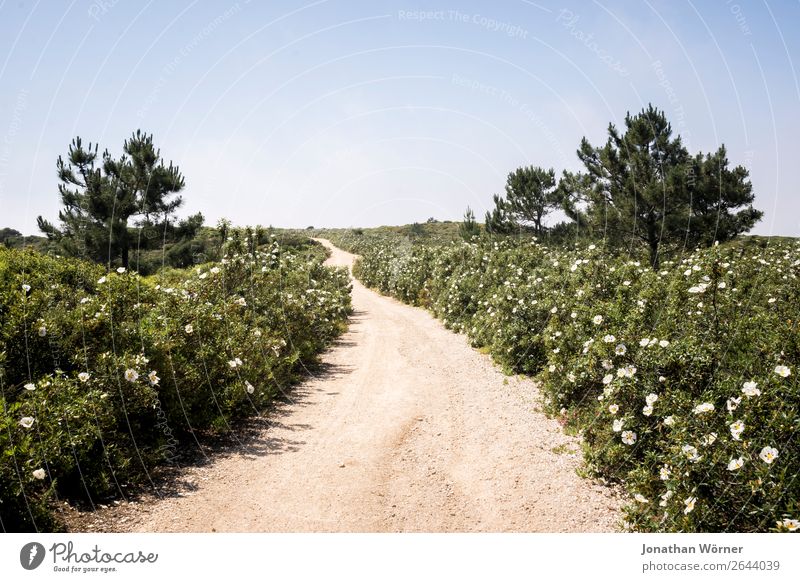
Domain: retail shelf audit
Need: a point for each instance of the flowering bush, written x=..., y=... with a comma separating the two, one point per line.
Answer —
x=684, y=382
x=105, y=375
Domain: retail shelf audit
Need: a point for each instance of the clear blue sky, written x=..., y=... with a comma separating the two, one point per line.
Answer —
x=342, y=113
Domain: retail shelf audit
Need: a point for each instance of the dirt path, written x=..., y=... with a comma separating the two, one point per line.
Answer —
x=410, y=429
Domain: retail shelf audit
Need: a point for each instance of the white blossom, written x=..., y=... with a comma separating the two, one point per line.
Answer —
x=737, y=428
x=749, y=389
x=735, y=464
x=768, y=454
x=783, y=371
x=703, y=408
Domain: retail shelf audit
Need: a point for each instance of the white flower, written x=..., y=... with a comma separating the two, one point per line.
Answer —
x=257, y=333
x=768, y=454
x=609, y=339
x=690, y=452
x=620, y=349
x=121, y=270
x=597, y=319
x=664, y=473
x=101, y=280
x=735, y=464
x=214, y=270
x=554, y=310
x=689, y=502
x=26, y=421
x=39, y=474
x=771, y=300
x=749, y=389
x=782, y=371
x=83, y=376
x=644, y=341
x=721, y=285
x=153, y=378
x=703, y=408
x=26, y=288
x=640, y=498
x=42, y=331
x=30, y=387
x=651, y=398
x=616, y=426
x=238, y=361
x=241, y=301
x=790, y=524
x=669, y=420
x=592, y=247
x=189, y=329
x=737, y=428
x=613, y=408
x=250, y=388
x=663, y=343
x=232, y=363
x=573, y=315
x=131, y=375
x=628, y=437
x=662, y=379
x=665, y=498
x=709, y=439
x=733, y=403
x=608, y=378
x=647, y=410
x=607, y=364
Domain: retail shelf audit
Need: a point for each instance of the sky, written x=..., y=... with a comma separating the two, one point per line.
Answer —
x=345, y=113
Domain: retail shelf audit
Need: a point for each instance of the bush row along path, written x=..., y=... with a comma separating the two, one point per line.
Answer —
x=407, y=429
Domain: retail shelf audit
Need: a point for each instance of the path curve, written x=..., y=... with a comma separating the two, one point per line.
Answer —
x=410, y=429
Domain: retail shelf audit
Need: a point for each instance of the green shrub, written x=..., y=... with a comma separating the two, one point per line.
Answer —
x=114, y=373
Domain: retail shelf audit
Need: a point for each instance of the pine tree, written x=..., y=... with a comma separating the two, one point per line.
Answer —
x=469, y=228
x=643, y=188
x=98, y=202
x=530, y=196
x=89, y=204
x=498, y=220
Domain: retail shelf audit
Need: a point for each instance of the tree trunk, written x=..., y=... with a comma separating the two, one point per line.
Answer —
x=654, y=254
x=124, y=244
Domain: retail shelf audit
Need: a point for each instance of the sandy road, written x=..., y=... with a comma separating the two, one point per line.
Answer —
x=408, y=429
